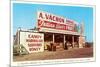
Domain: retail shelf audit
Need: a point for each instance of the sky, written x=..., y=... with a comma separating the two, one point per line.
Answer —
x=25, y=15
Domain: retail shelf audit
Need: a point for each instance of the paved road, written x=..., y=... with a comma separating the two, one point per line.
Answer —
x=59, y=54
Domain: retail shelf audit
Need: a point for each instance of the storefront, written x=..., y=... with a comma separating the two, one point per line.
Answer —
x=58, y=30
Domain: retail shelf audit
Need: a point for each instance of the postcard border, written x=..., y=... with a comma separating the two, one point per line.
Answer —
x=58, y=61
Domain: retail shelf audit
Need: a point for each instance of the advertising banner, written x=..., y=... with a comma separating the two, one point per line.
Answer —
x=50, y=21
x=33, y=42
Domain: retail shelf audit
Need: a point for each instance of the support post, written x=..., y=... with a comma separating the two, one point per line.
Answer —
x=64, y=41
x=53, y=38
x=73, y=41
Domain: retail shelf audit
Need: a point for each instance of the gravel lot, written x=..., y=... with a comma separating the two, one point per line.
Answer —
x=59, y=54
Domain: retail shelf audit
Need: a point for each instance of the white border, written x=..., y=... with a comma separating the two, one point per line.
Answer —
x=56, y=61
x=90, y=2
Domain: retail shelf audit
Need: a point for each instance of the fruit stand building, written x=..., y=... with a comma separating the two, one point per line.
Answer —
x=51, y=28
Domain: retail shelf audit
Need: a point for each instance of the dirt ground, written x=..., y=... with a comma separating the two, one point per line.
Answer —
x=59, y=54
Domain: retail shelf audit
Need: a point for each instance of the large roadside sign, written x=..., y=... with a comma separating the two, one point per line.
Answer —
x=47, y=21
x=32, y=42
